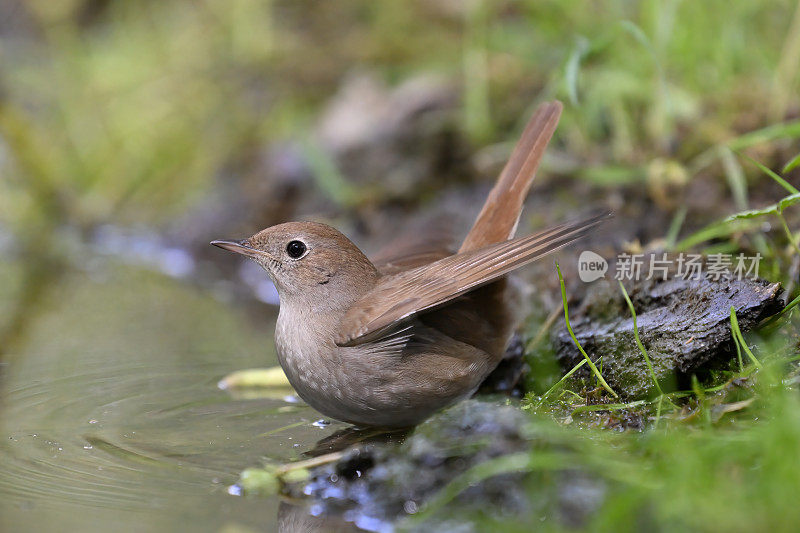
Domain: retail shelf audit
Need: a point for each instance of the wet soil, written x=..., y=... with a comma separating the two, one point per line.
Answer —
x=375, y=485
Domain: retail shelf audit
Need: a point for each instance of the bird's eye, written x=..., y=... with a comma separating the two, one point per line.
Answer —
x=295, y=249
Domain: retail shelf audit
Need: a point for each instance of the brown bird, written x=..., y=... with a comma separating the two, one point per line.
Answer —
x=388, y=343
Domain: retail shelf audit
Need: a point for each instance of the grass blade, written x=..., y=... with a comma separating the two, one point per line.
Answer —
x=791, y=165
x=572, y=69
x=575, y=340
x=788, y=232
x=737, y=334
x=790, y=130
x=735, y=176
x=782, y=182
x=638, y=340
x=675, y=227
x=560, y=381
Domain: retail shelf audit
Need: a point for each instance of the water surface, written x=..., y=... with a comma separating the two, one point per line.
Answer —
x=110, y=414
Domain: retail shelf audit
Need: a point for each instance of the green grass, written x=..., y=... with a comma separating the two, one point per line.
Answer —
x=727, y=474
x=719, y=457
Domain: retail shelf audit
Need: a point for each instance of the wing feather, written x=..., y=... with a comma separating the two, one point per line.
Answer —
x=402, y=295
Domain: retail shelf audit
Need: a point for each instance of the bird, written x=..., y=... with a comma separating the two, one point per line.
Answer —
x=389, y=342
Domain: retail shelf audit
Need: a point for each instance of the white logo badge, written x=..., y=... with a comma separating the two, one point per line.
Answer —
x=591, y=266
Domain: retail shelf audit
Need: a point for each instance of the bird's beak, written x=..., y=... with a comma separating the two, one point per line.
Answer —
x=239, y=247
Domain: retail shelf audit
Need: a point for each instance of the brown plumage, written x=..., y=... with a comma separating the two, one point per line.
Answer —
x=389, y=343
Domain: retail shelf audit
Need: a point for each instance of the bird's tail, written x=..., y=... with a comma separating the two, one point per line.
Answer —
x=499, y=217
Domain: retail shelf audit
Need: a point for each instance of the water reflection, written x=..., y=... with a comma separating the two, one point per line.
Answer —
x=350, y=436
x=297, y=517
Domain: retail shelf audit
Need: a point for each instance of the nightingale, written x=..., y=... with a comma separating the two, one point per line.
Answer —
x=388, y=342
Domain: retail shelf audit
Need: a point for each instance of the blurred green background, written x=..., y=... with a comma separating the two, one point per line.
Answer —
x=141, y=114
x=132, y=133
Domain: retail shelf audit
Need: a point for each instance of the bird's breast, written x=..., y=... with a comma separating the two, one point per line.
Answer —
x=393, y=381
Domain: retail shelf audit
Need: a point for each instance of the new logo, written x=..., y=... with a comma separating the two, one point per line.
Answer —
x=591, y=266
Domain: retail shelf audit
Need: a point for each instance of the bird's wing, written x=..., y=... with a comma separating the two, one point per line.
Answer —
x=400, y=296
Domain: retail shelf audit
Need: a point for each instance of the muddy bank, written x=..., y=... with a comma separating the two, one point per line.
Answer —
x=379, y=486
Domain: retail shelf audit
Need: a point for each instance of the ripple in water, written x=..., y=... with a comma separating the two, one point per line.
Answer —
x=138, y=437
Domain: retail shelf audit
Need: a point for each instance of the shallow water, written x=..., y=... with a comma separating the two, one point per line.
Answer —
x=110, y=415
